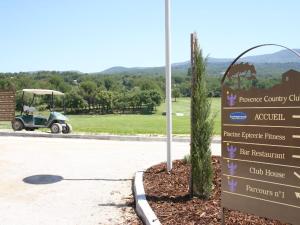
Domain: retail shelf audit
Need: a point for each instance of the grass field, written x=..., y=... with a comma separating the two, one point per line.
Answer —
x=140, y=124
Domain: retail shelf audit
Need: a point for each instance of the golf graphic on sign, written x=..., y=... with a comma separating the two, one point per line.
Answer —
x=261, y=143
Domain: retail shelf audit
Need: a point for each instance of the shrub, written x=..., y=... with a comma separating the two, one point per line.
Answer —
x=201, y=130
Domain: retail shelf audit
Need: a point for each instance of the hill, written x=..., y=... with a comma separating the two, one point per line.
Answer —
x=269, y=63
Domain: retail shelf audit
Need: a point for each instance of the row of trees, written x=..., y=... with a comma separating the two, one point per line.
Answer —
x=98, y=93
x=104, y=102
x=90, y=94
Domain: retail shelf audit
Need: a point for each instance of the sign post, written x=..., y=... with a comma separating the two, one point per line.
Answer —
x=261, y=146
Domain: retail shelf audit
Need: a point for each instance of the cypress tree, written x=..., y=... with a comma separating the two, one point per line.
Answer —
x=201, y=127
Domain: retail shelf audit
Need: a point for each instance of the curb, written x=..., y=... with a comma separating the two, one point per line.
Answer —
x=185, y=139
x=143, y=209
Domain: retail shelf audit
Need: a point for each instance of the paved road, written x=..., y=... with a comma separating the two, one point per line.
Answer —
x=72, y=181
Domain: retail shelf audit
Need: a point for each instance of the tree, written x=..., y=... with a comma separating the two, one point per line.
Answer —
x=185, y=89
x=74, y=101
x=178, y=79
x=155, y=97
x=56, y=81
x=6, y=84
x=88, y=89
x=176, y=93
x=122, y=102
x=106, y=100
x=134, y=99
x=108, y=83
x=201, y=127
x=127, y=82
x=148, y=84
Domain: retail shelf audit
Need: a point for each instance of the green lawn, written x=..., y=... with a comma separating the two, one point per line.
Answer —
x=140, y=124
x=4, y=125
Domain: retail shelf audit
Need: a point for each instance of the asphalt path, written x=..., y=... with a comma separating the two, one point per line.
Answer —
x=47, y=181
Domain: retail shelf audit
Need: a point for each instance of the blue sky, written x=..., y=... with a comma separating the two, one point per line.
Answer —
x=92, y=35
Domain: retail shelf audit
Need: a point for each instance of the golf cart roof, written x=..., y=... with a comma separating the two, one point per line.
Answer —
x=42, y=92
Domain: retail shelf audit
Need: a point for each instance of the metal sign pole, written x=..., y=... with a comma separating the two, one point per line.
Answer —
x=168, y=85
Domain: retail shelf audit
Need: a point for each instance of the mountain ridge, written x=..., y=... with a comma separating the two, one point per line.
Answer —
x=279, y=57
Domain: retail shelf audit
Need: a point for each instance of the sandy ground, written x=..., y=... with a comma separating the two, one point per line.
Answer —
x=73, y=181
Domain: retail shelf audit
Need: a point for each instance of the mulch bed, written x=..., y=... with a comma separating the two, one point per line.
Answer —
x=169, y=198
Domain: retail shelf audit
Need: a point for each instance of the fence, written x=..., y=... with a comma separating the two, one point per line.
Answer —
x=7, y=105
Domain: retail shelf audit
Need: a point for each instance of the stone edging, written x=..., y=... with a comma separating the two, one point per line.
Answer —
x=216, y=139
x=94, y=136
x=143, y=209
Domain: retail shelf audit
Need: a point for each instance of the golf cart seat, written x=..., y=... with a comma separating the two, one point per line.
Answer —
x=29, y=110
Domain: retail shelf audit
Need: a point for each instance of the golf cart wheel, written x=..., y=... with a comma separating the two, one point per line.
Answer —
x=56, y=128
x=66, y=128
x=17, y=125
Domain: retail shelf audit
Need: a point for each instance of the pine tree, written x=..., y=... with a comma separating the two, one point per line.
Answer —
x=201, y=127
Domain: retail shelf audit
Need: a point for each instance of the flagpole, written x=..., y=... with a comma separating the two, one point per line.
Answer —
x=168, y=85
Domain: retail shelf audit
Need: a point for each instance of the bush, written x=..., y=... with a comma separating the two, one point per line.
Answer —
x=187, y=159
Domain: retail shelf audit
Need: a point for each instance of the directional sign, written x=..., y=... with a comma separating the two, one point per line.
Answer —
x=261, y=149
x=7, y=105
